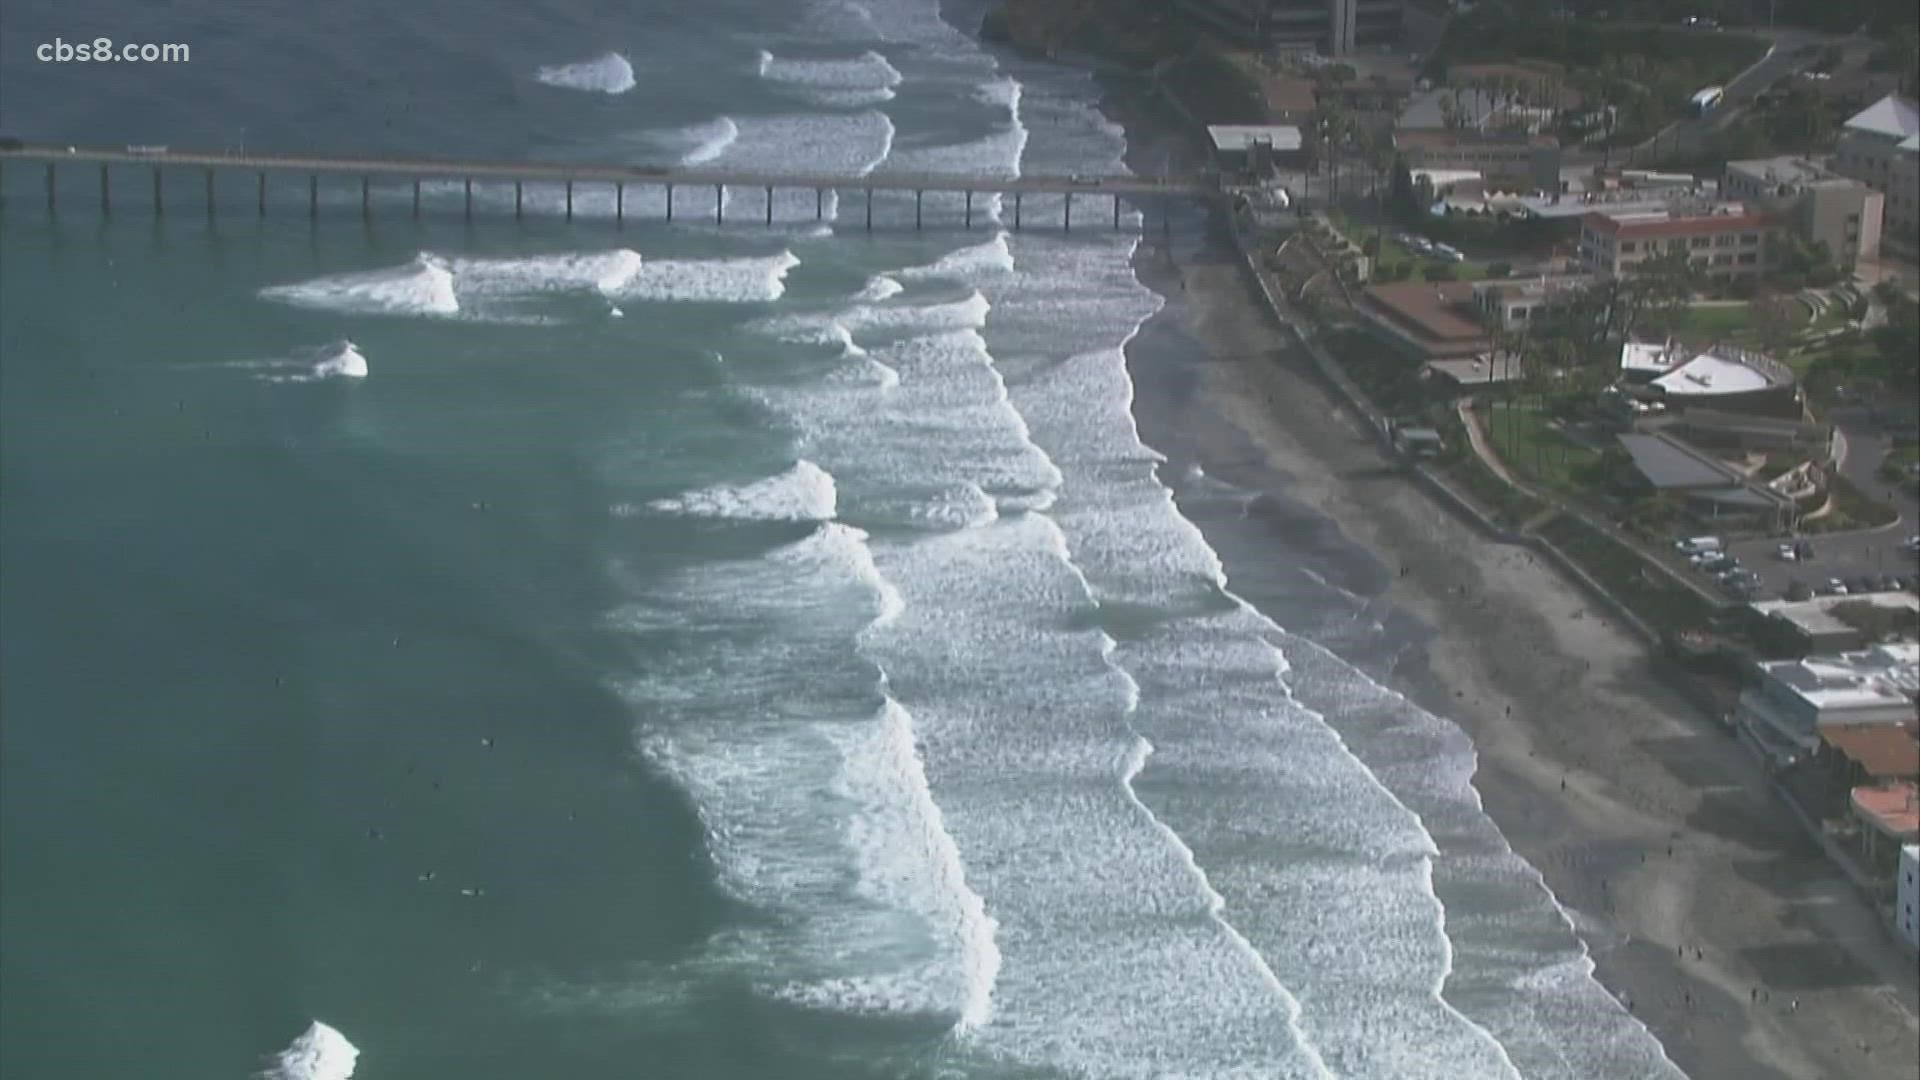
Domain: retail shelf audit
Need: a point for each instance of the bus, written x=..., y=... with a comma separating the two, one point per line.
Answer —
x=1704, y=101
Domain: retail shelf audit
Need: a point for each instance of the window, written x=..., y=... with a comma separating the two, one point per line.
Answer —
x=1722, y=260
x=1748, y=258
x=1626, y=246
x=1725, y=240
x=1520, y=314
x=1702, y=241
x=1748, y=239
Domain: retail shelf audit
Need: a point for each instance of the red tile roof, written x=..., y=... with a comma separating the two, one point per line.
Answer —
x=1430, y=310
x=1893, y=810
x=1691, y=226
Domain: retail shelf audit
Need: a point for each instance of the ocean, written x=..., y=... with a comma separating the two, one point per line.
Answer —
x=536, y=649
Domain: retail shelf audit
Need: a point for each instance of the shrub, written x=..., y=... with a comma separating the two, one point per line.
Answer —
x=1499, y=269
x=1441, y=272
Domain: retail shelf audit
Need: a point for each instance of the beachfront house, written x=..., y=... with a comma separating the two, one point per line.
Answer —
x=1782, y=713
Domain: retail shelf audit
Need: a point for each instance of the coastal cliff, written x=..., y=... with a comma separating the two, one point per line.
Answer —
x=1210, y=81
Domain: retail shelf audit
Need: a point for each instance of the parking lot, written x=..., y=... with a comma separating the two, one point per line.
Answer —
x=1876, y=559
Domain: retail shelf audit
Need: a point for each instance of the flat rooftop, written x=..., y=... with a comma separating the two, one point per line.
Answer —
x=1815, y=616
x=1881, y=675
x=1237, y=138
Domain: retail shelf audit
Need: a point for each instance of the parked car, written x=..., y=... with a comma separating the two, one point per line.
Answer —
x=1913, y=544
x=1720, y=562
x=1861, y=584
x=1834, y=587
x=1799, y=590
x=1786, y=553
x=1694, y=545
x=1886, y=583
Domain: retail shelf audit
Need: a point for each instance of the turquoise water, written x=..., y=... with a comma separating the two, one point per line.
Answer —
x=532, y=649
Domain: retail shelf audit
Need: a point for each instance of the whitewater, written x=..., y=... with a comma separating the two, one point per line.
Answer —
x=980, y=739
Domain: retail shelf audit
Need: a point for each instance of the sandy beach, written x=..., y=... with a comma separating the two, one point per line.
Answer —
x=1706, y=906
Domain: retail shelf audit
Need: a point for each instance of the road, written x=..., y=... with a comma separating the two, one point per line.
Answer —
x=1790, y=53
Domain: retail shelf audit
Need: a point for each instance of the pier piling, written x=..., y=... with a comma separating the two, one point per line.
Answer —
x=1066, y=220
x=1116, y=212
x=469, y=189
x=819, y=203
x=869, y=209
x=516, y=200
x=619, y=203
x=719, y=203
x=366, y=198
x=769, y=206
x=969, y=211
x=669, y=202
x=1016, y=211
x=916, y=209
x=569, y=200
x=416, y=198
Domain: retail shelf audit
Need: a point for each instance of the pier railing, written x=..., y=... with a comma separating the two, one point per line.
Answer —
x=1116, y=191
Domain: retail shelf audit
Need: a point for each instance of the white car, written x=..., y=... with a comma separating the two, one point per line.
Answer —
x=1834, y=587
x=1786, y=553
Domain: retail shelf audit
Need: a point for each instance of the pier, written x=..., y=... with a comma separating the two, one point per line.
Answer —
x=404, y=173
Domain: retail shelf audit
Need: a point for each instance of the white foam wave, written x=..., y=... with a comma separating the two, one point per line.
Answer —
x=342, y=361
x=608, y=73
x=697, y=144
x=963, y=506
x=604, y=271
x=740, y=281
x=878, y=287
x=844, y=548
x=421, y=287
x=802, y=493
x=968, y=263
x=319, y=1053
x=863, y=80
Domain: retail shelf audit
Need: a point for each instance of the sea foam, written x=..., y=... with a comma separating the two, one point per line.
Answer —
x=802, y=493
x=608, y=73
x=421, y=287
x=320, y=1053
x=855, y=82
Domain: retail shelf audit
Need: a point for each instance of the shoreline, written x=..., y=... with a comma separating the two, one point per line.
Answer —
x=1592, y=768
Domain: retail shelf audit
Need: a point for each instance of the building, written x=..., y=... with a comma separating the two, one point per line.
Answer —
x=1711, y=489
x=1881, y=147
x=1727, y=241
x=1516, y=302
x=1906, y=896
x=1254, y=148
x=1506, y=160
x=1434, y=320
x=1793, y=698
x=1840, y=212
x=1719, y=377
x=1814, y=626
x=1334, y=26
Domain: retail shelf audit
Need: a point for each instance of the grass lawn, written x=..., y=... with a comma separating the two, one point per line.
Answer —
x=1521, y=435
x=1720, y=322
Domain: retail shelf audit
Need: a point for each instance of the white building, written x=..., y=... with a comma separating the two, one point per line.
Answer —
x=1906, y=896
x=1841, y=212
x=1875, y=685
x=1881, y=146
